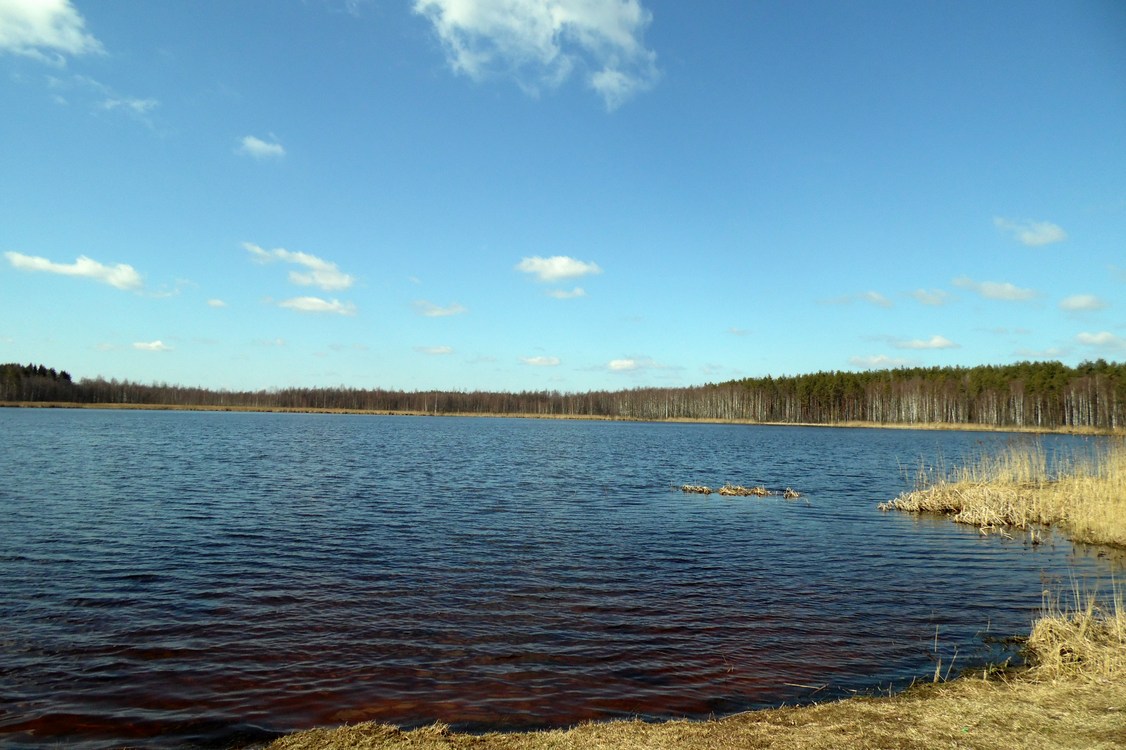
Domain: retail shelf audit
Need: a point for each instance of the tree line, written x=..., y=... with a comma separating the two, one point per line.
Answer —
x=1025, y=394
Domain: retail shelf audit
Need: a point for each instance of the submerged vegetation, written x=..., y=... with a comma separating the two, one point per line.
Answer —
x=1071, y=695
x=1085, y=497
x=1026, y=395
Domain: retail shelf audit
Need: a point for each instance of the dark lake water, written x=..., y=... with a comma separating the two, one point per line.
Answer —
x=173, y=579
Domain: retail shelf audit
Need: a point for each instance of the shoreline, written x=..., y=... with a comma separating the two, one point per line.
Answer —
x=931, y=426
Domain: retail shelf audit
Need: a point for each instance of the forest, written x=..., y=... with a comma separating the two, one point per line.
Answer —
x=1045, y=395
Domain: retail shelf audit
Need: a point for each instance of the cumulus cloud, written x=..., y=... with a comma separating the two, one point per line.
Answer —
x=564, y=294
x=45, y=30
x=934, y=297
x=260, y=149
x=540, y=361
x=1031, y=233
x=320, y=272
x=434, y=350
x=1082, y=303
x=632, y=364
x=556, y=267
x=152, y=346
x=540, y=43
x=216, y=303
x=934, y=342
x=318, y=305
x=996, y=290
x=1102, y=340
x=430, y=310
x=623, y=365
x=878, y=362
x=121, y=275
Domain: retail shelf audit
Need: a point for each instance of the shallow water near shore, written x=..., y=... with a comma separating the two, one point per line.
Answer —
x=215, y=579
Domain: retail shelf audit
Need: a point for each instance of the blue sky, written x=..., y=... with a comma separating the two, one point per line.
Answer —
x=557, y=194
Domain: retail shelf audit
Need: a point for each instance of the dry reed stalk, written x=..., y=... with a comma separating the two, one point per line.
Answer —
x=1088, y=638
x=1086, y=497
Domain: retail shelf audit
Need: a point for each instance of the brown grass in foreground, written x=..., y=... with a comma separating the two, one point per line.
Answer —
x=1072, y=696
x=1086, y=498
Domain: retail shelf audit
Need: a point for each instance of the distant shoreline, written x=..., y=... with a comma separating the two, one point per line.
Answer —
x=937, y=426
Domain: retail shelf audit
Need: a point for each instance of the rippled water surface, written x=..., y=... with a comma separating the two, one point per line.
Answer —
x=213, y=579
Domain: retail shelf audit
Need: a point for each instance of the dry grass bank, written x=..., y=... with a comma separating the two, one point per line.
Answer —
x=1072, y=696
x=1086, y=498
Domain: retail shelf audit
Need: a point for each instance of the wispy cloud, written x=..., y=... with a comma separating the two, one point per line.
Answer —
x=879, y=362
x=557, y=267
x=540, y=44
x=437, y=351
x=320, y=272
x=318, y=305
x=877, y=299
x=933, y=297
x=540, y=361
x=1102, y=340
x=430, y=310
x=564, y=294
x=152, y=346
x=934, y=342
x=1082, y=303
x=1031, y=233
x=44, y=30
x=996, y=290
x=633, y=364
x=216, y=303
x=735, y=331
x=120, y=276
x=260, y=149
x=134, y=105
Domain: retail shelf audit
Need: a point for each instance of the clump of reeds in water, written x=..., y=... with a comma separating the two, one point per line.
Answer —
x=1086, y=637
x=1085, y=497
x=734, y=490
x=696, y=489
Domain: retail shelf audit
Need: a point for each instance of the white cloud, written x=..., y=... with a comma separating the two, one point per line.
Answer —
x=260, y=149
x=631, y=364
x=216, y=303
x=434, y=350
x=735, y=331
x=1102, y=340
x=996, y=290
x=564, y=294
x=45, y=30
x=318, y=305
x=933, y=297
x=557, y=267
x=152, y=346
x=121, y=276
x=934, y=342
x=623, y=365
x=1082, y=303
x=431, y=310
x=540, y=43
x=132, y=105
x=321, y=273
x=876, y=298
x=879, y=361
x=540, y=361
x=1032, y=233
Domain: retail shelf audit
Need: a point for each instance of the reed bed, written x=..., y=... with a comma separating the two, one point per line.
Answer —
x=1085, y=497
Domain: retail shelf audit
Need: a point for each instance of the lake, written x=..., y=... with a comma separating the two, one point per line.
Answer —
x=215, y=579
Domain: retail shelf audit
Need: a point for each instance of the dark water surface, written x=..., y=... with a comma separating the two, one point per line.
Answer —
x=173, y=579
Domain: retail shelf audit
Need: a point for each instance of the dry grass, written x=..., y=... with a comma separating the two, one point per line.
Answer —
x=1073, y=696
x=1086, y=498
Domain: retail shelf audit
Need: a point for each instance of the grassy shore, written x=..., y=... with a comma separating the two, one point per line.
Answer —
x=961, y=427
x=1086, y=498
x=1071, y=693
